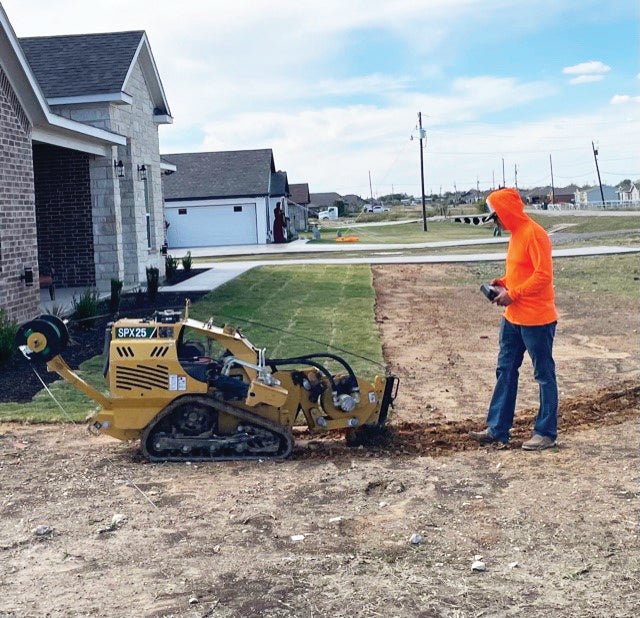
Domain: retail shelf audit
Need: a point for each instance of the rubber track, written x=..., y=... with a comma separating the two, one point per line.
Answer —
x=243, y=415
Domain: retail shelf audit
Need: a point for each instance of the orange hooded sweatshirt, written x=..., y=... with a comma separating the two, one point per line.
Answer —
x=529, y=270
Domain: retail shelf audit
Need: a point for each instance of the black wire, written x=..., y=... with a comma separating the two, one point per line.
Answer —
x=304, y=337
x=253, y=323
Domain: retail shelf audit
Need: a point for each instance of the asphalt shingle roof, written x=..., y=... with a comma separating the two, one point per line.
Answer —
x=300, y=192
x=81, y=64
x=279, y=184
x=237, y=173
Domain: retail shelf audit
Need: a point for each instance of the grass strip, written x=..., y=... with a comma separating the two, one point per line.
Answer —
x=287, y=310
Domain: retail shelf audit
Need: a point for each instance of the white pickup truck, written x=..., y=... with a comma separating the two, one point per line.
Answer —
x=330, y=213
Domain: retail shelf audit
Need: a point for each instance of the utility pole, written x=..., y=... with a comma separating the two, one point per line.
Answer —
x=595, y=156
x=424, y=206
x=515, y=173
x=504, y=182
x=493, y=180
x=553, y=191
x=370, y=188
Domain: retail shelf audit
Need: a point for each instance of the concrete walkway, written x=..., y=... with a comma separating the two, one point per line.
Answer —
x=221, y=272
x=303, y=246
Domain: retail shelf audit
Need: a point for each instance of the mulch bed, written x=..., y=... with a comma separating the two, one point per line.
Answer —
x=19, y=383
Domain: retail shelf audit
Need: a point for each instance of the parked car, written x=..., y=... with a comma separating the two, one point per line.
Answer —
x=376, y=209
x=329, y=213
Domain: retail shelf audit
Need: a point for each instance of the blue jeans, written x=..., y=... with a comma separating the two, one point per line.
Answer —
x=538, y=342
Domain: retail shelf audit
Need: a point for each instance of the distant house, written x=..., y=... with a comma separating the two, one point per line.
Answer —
x=223, y=198
x=592, y=197
x=299, y=206
x=629, y=193
x=563, y=195
x=470, y=197
x=354, y=202
x=322, y=201
x=300, y=193
x=80, y=187
x=539, y=195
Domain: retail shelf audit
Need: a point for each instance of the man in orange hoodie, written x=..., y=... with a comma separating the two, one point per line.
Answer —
x=528, y=324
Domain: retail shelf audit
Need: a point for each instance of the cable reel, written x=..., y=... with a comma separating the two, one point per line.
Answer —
x=43, y=338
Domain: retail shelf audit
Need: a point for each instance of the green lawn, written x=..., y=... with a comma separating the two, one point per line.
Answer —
x=584, y=224
x=598, y=278
x=287, y=310
x=408, y=232
x=43, y=408
x=291, y=310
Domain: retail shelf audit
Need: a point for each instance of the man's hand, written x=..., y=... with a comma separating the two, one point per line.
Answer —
x=502, y=299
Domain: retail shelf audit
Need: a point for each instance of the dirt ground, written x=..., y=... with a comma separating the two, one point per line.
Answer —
x=327, y=533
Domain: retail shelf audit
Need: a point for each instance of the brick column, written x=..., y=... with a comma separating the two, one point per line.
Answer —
x=18, y=238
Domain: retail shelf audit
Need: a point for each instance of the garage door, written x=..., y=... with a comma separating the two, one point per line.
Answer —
x=211, y=226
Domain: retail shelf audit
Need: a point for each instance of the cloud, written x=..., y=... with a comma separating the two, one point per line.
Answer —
x=622, y=99
x=586, y=79
x=593, y=67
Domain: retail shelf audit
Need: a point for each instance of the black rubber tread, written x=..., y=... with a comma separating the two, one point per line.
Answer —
x=285, y=437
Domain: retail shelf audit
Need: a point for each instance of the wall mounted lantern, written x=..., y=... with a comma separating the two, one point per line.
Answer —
x=142, y=172
x=118, y=166
x=27, y=277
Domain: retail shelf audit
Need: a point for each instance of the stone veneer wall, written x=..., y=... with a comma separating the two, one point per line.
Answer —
x=63, y=214
x=136, y=122
x=119, y=217
x=18, y=240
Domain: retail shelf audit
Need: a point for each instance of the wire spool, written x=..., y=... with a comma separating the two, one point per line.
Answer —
x=60, y=325
x=42, y=338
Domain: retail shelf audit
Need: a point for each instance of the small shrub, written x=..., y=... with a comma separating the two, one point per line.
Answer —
x=187, y=262
x=58, y=310
x=86, y=307
x=116, y=293
x=139, y=293
x=8, y=329
x=153, y=277
x=170, y=266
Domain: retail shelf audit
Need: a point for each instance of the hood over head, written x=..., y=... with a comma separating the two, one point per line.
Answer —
x=506, y=203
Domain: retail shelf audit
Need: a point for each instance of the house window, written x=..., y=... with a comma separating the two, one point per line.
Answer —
x=147, y=208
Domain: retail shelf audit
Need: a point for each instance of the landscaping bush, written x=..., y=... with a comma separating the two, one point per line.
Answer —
x=86, y=307
x=187, y=262
x=153, y=278
x=116, y=293
x=8, y=329
x=170, y=266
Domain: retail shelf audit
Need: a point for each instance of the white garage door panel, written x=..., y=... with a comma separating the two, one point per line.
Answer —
x=211, y=226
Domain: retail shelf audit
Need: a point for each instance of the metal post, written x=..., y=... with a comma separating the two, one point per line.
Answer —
x=424, y=206
x=595, y=156
x=553, y=191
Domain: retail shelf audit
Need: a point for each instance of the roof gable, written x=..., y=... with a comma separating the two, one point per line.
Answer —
x=279, y=184
x=82, y=64
x=47, y=126
x=299, y=193
x=202, y=175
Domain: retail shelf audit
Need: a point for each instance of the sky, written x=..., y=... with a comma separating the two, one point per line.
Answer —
x=509, y=90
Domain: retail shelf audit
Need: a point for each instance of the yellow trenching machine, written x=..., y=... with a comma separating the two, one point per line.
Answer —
x=192, y=391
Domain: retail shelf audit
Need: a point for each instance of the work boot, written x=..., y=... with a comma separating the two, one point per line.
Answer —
x=484, y=437
x=538, y=443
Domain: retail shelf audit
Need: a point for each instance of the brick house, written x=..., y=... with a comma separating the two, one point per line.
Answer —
x=80, y=187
